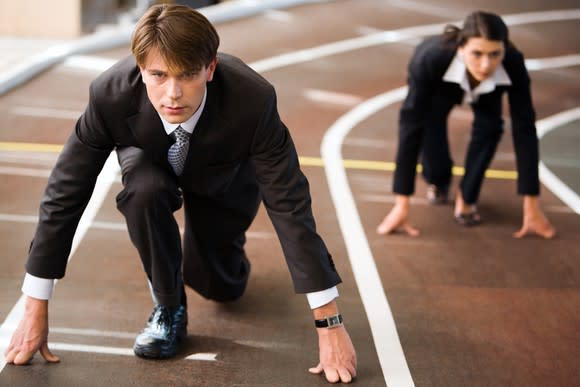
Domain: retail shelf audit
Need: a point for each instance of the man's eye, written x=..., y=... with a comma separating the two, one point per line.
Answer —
x=189, y=75
x=476, y=54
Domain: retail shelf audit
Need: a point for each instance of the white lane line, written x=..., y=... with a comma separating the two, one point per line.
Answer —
x=117, y=226
x=202, y=356
x=399, y=35
x=391, y=356
x=19, y=171
x=550, y=180
x=45, y=112
x=93, y=333
x=280, y=16
x=89, y=62
x=553, y=62
x=397, y=375
x=389, y=350
x=368, y=142
x=87, y=332
x=331, y=97
x=426, y=9
x=104, y=182
x=114, y=226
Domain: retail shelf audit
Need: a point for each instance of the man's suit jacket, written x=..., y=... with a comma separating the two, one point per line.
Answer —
x=239, y=125
x=428, y=90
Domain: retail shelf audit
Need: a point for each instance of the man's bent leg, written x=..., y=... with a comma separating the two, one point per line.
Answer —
x=148, y=200
x=215, y=264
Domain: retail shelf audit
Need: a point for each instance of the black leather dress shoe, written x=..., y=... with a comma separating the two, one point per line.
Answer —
x=165, y=330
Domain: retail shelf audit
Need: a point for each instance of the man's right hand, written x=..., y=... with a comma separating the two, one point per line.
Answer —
x=31, y=335
x=397, y=218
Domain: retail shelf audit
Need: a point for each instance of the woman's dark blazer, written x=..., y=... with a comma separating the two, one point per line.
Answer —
x=427, y=88
x=239, y=125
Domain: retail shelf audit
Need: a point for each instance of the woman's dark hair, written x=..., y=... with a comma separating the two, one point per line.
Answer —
x=478, y=24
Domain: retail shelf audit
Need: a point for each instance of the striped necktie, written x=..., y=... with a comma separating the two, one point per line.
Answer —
x=178, y=151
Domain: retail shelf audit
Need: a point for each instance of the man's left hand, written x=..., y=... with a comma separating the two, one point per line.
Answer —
x=337, y=355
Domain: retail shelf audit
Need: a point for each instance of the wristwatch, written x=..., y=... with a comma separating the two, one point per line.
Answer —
x=329, y=322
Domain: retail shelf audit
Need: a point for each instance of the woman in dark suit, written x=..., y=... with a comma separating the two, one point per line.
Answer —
x=476, y=64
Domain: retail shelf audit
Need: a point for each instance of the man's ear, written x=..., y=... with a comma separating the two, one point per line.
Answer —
x=211, y=69
x=142, y=71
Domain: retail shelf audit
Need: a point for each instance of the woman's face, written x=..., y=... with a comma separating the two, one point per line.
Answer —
x=481, y=57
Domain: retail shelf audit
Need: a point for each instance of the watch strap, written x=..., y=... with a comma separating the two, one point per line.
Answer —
x=329, y=321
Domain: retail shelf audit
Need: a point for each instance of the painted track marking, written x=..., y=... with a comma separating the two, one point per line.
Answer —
x=391, y=372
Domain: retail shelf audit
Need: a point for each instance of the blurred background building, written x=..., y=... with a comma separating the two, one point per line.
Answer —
x=65, y=19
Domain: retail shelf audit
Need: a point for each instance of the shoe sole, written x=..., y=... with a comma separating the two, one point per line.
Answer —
x=163, y=352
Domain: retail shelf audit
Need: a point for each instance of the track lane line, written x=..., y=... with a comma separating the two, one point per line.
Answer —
x=402, y=375
x=104, y=181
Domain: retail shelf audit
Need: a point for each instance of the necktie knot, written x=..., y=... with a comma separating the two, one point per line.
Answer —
x=180, y=135
x=178, y=151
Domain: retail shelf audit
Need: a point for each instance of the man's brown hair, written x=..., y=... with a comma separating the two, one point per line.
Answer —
x=185, y=39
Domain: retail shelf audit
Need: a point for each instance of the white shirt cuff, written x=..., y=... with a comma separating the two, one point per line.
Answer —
x=36, y=287
x=323, y=297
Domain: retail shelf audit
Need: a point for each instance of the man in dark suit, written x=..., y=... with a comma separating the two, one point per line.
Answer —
x=195, y=128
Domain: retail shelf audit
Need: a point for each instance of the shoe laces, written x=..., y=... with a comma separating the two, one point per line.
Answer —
x=160, y=319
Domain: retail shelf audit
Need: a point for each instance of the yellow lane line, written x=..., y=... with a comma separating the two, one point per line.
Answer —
x=390, y=167
x=30, y=147
x=368, y=165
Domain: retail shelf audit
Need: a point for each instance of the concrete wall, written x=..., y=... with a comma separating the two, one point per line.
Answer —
x=65, y=19
x=56, y=19
x=34, y=18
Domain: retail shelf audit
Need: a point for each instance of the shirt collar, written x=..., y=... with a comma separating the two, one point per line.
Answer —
x=190, y=124
x=457, y=73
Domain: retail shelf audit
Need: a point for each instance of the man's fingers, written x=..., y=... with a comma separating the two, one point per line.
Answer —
x=345, y=375
x=9, y=355
x=332, y=375
x=47, y=355
x=316, y=370
x=23, y=357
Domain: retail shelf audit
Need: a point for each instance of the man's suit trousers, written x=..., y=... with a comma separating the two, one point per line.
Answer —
x=212, y=260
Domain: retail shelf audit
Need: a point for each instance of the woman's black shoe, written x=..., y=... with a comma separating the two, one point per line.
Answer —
x=437, y=195
x=469, y=219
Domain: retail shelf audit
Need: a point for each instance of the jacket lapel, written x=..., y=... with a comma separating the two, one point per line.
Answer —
x=208, y=134
x=148, y=129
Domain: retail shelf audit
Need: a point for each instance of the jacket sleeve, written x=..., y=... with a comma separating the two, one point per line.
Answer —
x=412, y=115
x=523, y=119
x=67, y=194
x=286, y=196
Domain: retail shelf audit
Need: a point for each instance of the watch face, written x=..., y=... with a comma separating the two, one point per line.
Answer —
x=333, y=321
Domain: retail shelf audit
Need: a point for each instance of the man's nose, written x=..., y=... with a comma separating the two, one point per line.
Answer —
x=174, y=89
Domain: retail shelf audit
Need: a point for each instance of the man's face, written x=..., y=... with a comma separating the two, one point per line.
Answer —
x=481, y=57
x=175, y=96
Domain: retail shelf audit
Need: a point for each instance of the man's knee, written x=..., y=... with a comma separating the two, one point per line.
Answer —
x=221, y=283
